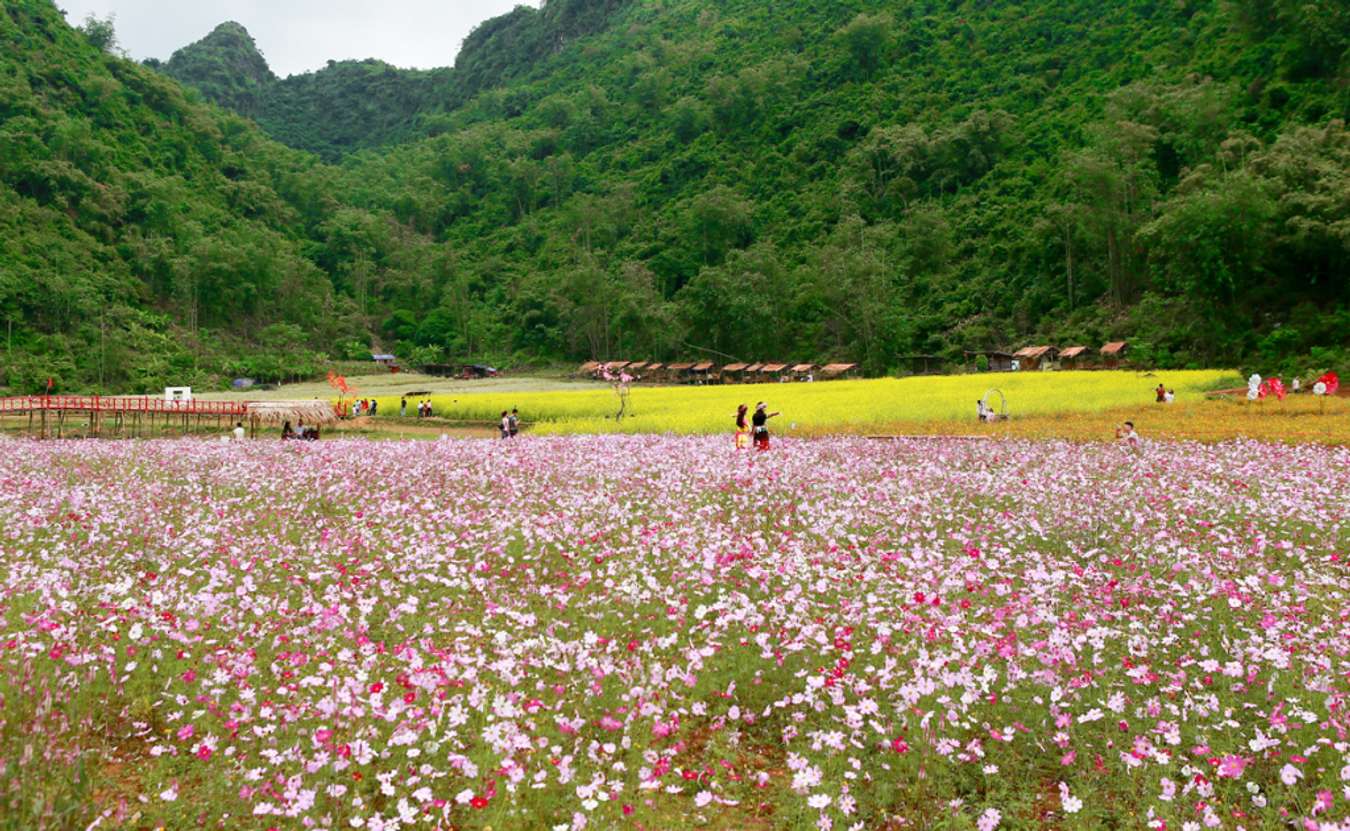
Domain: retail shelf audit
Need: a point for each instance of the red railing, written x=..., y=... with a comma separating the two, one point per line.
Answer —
x=120, y=404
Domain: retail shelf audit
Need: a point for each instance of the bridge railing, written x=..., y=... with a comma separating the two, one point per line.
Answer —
x=120, y=404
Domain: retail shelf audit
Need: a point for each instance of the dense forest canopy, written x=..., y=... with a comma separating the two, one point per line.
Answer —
x=598, y=178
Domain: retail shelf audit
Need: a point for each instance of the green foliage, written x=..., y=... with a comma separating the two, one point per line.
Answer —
x=598, y=178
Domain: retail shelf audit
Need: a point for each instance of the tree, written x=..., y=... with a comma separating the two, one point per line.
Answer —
x=101, y=32
x=721, y=219
x=867, y=39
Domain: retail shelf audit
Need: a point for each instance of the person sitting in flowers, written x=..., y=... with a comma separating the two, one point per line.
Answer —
x=1127, y=436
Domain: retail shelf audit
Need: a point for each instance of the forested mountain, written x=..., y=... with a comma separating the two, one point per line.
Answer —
x=598, y=178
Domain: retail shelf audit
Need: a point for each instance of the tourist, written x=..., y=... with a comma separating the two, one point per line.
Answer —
x=1127, y=436
x=374, y=407
x=1170, y=396
x=286, y=432
x=514, y=422
x=981, y=411
x=1161, y=393
x=428, y=408
x=403, y=407
x=761, y=428
x=505, y=425
x=239, y=431
x=742, y=428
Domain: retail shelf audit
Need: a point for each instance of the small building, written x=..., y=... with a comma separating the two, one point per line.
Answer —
x=1073, y=357
x=1036, y=357
x=733, y=373
x=389, y=362
x=922, y=364
x=679, y=373
x=803, y=372
x=998, y=361
x=703, y=372
x=588, y=369
x=773, y=372
x=1113, y=353
x=834, y=372
x=178, y=395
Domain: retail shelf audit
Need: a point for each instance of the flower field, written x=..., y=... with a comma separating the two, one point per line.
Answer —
x=835, y=406
x=637, y=632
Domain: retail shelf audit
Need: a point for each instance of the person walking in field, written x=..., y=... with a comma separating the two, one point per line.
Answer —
x=759, y=421
x=403, y=407
x=505, y=425
x=742, y=428
x=239, y=431
x=513, y=423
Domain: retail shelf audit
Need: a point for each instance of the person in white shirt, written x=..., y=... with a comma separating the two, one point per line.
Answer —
x=239, y=431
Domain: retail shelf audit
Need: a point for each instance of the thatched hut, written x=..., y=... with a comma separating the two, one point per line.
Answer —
x=1036, y=357
x=1074, y=357
x=263, y=414
x=833, y=372
x=732, y=373
x=1113, y=353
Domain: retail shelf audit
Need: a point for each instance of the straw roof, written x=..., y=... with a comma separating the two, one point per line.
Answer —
x=638, y=365
x=803, y=367
x=278, y=412
x=837, y=369
x=589, y=366
x=678, y=367
x=1033, y=351
x=703, y=366
x=734, y=367
x=1073, y=351
x=616, y=365
x=1114, y=348
x=773, y=368
x=754, y=367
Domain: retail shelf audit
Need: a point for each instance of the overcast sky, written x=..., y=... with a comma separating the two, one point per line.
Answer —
x=300, y=35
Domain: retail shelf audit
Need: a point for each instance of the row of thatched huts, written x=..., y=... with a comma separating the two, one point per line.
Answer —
x=708, y=372
x=1110, y=356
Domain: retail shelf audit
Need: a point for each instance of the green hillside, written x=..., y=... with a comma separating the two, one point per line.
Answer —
x=598, y=178
x=146, y=238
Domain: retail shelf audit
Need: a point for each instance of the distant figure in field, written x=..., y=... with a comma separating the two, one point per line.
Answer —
x=742, y=427
x=1170, y=396
x=1126, y=435
x=239, y=431
x=1161, y=393
x=286, y=432
x=505, y=425
x=428, y=408
x=374, y=406
x=513, y=423
x=403, y=407
x=981, y=411
x=760, y=423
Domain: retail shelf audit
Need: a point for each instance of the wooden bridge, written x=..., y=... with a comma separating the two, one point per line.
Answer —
x=58, y=416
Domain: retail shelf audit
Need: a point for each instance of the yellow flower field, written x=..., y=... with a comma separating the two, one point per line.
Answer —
x=831, y=407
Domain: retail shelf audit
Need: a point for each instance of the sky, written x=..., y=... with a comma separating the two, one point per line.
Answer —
x=301, y=35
